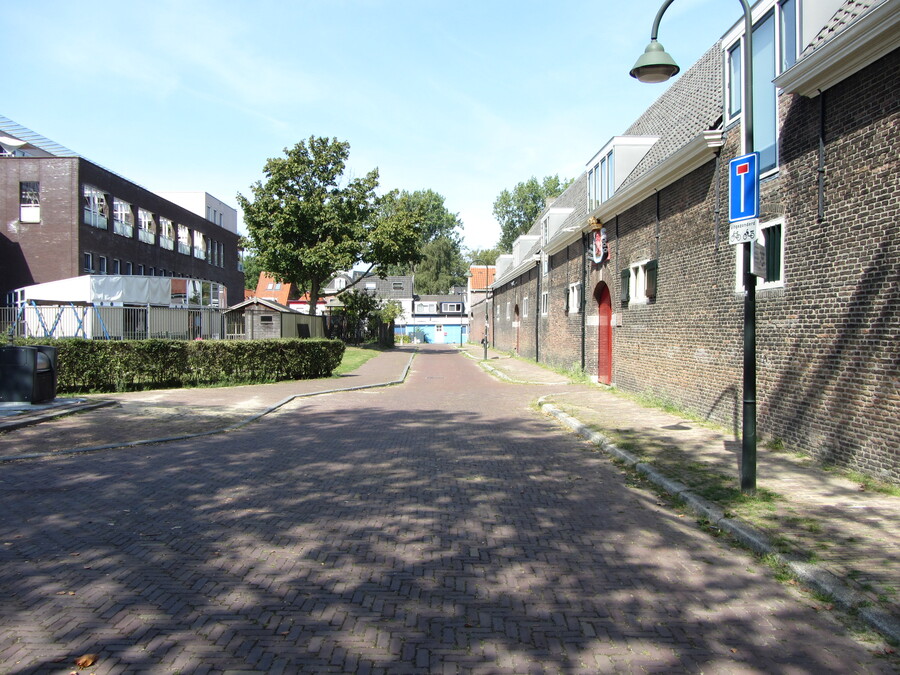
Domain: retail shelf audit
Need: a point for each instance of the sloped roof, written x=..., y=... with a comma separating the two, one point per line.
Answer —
x=282, y=295
x=16, y=130
x=271, y=304
x=482, y=276
x=692, y=105
x=849, y=12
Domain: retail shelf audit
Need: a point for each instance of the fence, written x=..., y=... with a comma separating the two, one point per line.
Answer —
x=114, y=323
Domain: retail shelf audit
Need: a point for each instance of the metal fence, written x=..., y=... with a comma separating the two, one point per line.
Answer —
x=115, y=323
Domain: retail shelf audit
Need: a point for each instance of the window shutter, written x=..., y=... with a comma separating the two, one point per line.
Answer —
x=626, y=280
x=773, y=253
x=568, y=297
x=652, y=269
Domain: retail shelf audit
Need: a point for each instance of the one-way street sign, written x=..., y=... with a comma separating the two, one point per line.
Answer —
x=743, y=187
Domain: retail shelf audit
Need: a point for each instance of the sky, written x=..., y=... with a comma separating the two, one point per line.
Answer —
x=463, y=97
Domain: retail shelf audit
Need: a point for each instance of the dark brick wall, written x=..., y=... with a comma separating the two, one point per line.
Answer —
x=828, y=341
x=53, y=248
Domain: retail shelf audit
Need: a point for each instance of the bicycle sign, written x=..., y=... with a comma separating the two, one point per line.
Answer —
x=743, y=231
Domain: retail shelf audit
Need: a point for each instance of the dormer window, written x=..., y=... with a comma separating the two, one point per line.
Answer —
x=601, y=181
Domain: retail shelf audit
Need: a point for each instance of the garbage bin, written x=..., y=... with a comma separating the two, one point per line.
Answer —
x=27, y=374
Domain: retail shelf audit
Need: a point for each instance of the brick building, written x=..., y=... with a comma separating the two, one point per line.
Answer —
x=637, y=283
x=65, y=216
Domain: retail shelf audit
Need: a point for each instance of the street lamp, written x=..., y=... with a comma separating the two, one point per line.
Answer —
x=655, y=65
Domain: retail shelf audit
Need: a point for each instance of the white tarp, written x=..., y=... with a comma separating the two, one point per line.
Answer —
x=102, y=289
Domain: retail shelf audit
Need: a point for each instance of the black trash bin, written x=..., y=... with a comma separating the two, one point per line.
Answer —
x=27, y=374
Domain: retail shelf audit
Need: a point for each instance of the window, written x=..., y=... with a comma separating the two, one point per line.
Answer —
x=116, y=266
x=601, y=181
x=545, y=231
x=397, y=285
x=545, y=264
x=146, y=227
x=123, y=218
x=525, y=307
x=340, y=283
x=451, y=308
x=507, y=311
x=199, y=245
x=129, y=268
x=101, y=264
x=771, y=235
x=573, y=298
x=88, y=263
x=140, y=270
x=166, y=234
x=426, y=308
x=775, y=45
x=96, y=209
x=184, y=240
x=639, y=283
x=370, y=285
x=266, y=318
x=545, y=303
x=30, y=202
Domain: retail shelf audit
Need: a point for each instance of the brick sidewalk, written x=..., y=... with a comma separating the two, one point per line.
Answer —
x=436, y=527
x=820, y=515
x=167, y=413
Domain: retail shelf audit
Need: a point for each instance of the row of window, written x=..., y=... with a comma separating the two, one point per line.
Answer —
x=638, y=281
x=96, y=214
x=101, y=264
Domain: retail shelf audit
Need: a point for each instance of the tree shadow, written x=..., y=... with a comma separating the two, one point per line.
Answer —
x=349, y=535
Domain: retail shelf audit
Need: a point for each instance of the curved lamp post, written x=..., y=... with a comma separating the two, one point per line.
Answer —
x=656, y=65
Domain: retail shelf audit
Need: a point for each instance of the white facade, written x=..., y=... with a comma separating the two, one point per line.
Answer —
x=204, y=204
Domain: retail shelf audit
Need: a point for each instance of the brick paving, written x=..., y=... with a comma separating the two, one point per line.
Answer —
x=439, y=526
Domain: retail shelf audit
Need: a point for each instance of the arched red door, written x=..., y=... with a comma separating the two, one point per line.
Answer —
x=604, y=335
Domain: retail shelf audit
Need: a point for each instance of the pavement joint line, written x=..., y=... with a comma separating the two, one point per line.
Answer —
x=814, y=576
x=232, y=427
x=13, y=423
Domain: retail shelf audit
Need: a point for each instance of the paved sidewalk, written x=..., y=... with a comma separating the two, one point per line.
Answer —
x=835, y=535
x=845, y=540
x=151, y=416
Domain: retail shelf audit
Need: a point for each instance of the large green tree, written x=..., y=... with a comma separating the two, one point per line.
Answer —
x=441, y=267
x=425, y=208
x=252, y=268
x=306, y=222
x=517, y=210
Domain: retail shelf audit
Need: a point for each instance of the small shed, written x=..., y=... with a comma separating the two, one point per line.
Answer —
x=256, y=318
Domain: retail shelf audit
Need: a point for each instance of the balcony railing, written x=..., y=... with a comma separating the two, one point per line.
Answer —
x=123, y=229
x=147, y=236
x=167, y=243
x=184, y=248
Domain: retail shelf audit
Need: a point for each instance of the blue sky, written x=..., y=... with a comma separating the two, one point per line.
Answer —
x=464, y=97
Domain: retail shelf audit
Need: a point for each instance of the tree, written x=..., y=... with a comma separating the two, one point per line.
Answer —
x=426, y=209
x=442, y=266
x=252, y=268
x=483, y=256
x=305, y=224
x=516, y=211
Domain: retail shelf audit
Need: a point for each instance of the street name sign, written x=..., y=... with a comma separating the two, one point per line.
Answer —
x=743, y=187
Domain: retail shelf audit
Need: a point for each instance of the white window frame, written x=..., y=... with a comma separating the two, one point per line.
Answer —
x=739, y=260
x=507, y=310
x=735, y=41
x=525, y=307
x=29, y=201
x=545, y=264
x=545, y=303
x=88, y=262
x=637, y=288
x=101, y=264
x=451, y=308
x=545, y=230
x=95, y=207
x=575, y=298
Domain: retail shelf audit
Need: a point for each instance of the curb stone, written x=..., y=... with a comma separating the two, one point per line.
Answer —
x=814, y=576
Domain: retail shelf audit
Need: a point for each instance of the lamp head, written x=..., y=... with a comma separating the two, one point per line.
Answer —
x=654, y=65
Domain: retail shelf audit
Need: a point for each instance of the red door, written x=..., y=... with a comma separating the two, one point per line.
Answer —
x=604, y=337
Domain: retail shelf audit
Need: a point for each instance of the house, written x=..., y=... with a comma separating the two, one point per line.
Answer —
x=631, y=276
x=479, y=280
x=66, y=216
x=439, y=319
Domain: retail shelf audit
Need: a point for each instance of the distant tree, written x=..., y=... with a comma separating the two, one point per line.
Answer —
x=252, y=269
x=482, y=256
x=426, y=209
x=358, y=308
x=442, y=266
x=516, y=211
x=305, y=223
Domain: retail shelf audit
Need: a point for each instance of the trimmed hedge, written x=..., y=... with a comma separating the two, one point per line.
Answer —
x=128, y=365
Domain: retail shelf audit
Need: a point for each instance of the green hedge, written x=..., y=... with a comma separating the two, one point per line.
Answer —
x=128, y=365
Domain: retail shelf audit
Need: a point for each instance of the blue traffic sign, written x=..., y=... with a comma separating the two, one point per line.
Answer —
x=743, y=187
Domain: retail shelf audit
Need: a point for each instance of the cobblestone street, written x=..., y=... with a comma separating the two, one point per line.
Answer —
x=438, y=526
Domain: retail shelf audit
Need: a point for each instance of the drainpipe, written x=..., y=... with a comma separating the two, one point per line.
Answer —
x=537, y=314
x=821, y=167
x=583, y=300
